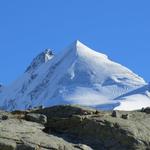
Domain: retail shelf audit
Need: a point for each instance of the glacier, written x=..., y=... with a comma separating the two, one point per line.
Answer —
x=78, y=75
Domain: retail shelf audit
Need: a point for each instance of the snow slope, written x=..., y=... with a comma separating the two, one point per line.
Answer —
x=78, y=75
x=135, y=99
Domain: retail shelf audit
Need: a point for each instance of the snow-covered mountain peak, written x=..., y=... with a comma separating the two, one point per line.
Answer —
x=78, y=75
x=77, y=42
x=81, y=50
x=43, y=57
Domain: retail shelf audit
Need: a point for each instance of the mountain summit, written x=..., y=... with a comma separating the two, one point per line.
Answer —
x=78, y=75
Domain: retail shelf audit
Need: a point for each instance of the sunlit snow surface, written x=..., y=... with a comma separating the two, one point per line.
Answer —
x=78, y=75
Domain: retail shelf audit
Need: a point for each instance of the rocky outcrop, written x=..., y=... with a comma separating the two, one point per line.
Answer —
x=18, y=134
x=39, y=118
x=74, y=128
x=101, y=130
x=146, y=110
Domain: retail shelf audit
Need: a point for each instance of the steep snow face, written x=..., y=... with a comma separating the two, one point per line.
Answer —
x=78, y=75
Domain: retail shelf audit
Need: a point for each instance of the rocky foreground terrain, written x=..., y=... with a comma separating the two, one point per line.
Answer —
x=69, y=127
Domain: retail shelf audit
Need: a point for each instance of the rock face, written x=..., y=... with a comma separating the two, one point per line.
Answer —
x=100, y=130
x=71, y=127
x=18, y=134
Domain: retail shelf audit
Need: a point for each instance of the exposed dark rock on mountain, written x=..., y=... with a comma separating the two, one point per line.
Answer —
x=40, y=59
x=71, y=127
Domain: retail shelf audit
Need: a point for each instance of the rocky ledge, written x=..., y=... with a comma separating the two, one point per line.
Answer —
x=70, y=127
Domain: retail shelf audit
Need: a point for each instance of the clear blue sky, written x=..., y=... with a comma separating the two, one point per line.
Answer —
x=118, y=28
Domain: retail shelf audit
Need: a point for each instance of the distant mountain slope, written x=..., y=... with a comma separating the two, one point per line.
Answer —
x=78, y=75
x=1, y=88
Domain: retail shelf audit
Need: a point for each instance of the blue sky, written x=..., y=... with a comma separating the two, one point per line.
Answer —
x=118, y=28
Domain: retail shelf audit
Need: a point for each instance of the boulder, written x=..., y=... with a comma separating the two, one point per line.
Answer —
x=115, y=113
x=125, y=116
x=4, y=117
x=39, y=118
x=146, y=110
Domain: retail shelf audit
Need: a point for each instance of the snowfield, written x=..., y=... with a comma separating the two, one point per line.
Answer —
x=78, y=75
x=137, y=99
